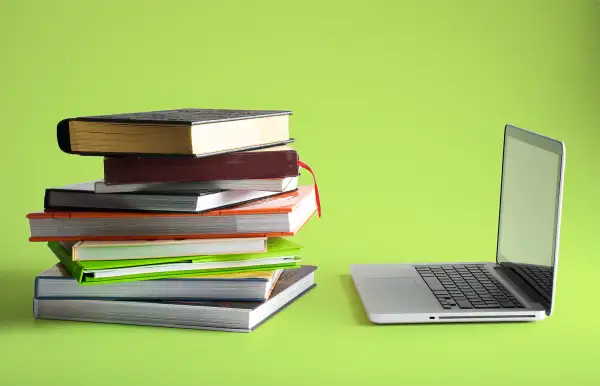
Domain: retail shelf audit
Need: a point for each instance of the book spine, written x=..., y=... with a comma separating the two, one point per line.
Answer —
x=66, y=259
x=234, y=166
x=63, y=136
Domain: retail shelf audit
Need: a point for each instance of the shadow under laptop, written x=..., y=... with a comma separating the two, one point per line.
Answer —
x=356, y=307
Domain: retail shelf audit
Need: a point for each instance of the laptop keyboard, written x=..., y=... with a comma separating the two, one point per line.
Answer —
x=540, y=276
x=467, y=286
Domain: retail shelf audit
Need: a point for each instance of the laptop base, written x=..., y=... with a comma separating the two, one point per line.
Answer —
x=401, y=294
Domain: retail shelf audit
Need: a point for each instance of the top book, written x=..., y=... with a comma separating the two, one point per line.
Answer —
x=183, y=132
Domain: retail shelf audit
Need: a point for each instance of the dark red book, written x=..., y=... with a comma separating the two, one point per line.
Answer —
x=274, y=162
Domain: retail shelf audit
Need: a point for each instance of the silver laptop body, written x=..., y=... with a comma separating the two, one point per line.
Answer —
x=519, y=286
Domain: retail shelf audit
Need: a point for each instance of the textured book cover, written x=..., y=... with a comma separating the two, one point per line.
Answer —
x=190, y=132
x=274, y=162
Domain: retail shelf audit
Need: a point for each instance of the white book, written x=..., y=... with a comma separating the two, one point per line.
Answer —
x=269, y=184
x=146, y=249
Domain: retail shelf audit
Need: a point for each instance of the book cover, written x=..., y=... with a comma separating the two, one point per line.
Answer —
x=214, y=315
x=58, y=283
x=80, y=270
x=282, y=215
x=145, y=249
x=83, y=196
x=274, y=162
x=71, y=138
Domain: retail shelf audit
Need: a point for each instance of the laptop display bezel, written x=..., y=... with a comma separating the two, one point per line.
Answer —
x=558, y=148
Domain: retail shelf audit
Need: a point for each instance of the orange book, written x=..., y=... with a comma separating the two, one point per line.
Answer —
x=282, y=215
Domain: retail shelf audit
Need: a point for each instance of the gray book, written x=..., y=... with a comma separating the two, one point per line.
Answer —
x=221, y=316
x=84, y=196
x=58, y=283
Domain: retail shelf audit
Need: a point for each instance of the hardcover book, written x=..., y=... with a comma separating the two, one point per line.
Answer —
x=274, y=162
x=219, y=316
x=285, y=184
x=57, y=283
x=182, y=132
x=84, y=196
x=281, y=215
x=281, y=253
x=146, y=249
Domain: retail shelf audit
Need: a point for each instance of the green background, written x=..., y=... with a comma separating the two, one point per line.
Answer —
x=399, y=106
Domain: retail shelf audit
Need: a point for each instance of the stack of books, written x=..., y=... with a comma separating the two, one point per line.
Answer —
x=190, y=226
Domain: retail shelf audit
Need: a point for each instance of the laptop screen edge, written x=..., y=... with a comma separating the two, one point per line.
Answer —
x=558, y=148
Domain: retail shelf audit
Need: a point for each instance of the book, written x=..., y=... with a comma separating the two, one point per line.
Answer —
x=83, y=196
x=282, y=215
x=146, y=249
x=184, y=132
x=274, y=162
x=268, y=184
x=220, y=316
x=281, y=253
x=57, y=283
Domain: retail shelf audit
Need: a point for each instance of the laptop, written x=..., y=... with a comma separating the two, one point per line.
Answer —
x=519, y=286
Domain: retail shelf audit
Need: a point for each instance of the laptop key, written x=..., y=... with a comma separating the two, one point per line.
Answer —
x=433, y=283
x=467, y=287
x=464, y=304
x=491, y=306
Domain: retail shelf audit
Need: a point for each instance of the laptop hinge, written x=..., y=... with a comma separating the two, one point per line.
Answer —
x=512, y=274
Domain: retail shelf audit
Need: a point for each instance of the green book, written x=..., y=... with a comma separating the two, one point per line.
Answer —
x=281, y=253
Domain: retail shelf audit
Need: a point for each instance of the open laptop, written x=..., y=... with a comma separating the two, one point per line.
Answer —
x=519, y=286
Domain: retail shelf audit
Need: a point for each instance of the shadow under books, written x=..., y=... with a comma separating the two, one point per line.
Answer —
x=16, y=299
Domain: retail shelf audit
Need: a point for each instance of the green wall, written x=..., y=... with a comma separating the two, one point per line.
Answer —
x=399, y=106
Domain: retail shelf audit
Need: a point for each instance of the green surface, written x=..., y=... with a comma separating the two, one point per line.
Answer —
x=399, y=107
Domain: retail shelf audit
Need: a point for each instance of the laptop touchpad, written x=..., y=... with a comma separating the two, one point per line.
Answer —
x=401, y=294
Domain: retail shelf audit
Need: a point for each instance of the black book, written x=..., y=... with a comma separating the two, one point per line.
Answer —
x=182, y=132
x=84, y=197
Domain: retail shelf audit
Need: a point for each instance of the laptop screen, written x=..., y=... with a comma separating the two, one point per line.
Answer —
x=532, y=173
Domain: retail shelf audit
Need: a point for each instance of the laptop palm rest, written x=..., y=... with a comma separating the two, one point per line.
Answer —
x=394, y=295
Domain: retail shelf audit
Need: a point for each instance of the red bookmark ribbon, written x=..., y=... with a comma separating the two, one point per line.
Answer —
x=305, y=166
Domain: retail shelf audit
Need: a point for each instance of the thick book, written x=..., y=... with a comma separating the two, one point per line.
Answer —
x=146, y=249
x=83, y=196
x=285, y=184
x=282, y=215
x=57, y=283
x=274, y=162
x=181, y=132
x=280, y=253
x=219, y=316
